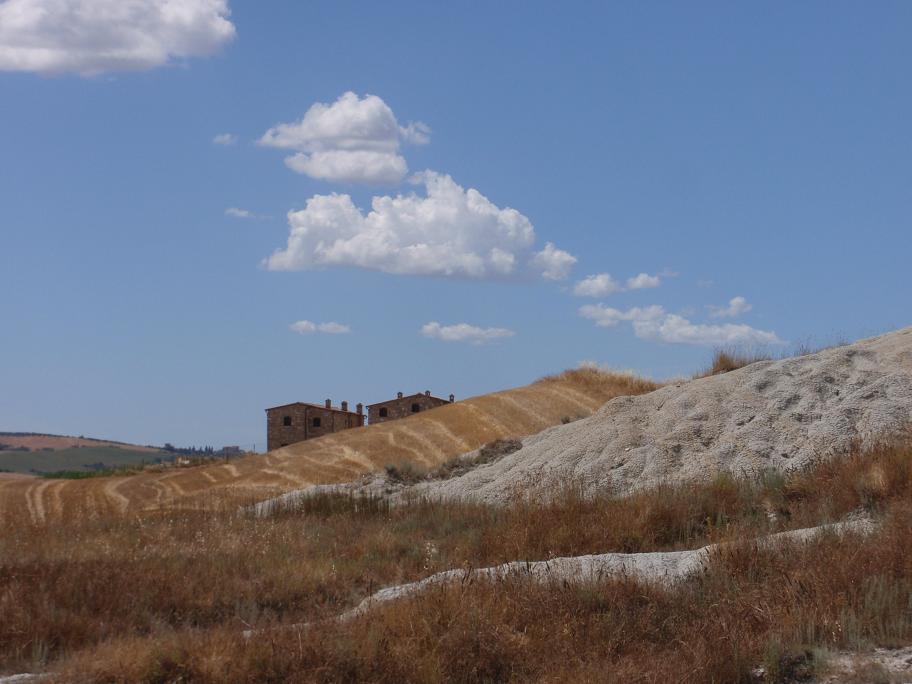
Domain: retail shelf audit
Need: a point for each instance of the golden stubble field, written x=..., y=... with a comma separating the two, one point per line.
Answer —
x=427, y=439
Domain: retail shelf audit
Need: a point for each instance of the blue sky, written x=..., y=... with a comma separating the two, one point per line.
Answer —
x=725, y=150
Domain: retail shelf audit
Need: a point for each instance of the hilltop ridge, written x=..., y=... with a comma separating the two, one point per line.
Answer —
x=425, y=439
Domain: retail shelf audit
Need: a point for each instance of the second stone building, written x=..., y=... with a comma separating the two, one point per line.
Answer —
x=403, y=406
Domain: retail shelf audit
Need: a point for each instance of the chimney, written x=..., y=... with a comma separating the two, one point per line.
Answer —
x=427, y=393
x=360, y=409
x=329, y=403
x=452, y=398
x=345, y=406
x=398, y=395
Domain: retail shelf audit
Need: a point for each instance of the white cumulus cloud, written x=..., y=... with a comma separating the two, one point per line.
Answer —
x=354, y=166
x=597, y=285
x=642, y=281
x=450, y=231
x=354, y=140
x=654, y=323
x=306, y=327
x=554, y=263
x=736, y=306
x=463, y=332
x=90, y=37
x=225, y=139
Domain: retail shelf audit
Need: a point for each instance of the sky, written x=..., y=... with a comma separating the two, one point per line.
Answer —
x=211, y=207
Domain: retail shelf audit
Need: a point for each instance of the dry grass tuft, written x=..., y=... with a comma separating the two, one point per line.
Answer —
x=405, y=473
x=595, y=381
x=727, y=360
x=730, y=359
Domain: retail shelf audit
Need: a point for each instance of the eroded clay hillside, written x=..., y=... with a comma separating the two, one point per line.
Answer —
x=425, y=439
x=771, y=415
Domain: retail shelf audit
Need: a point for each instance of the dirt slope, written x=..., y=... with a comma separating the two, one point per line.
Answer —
x=778, y=415
x=428, y=438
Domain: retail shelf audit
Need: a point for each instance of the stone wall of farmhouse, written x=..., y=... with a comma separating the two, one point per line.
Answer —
x=306, y=422
x=402, y=408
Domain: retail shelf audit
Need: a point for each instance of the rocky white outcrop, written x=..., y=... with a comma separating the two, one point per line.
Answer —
x=664, y=568
x=661, y=567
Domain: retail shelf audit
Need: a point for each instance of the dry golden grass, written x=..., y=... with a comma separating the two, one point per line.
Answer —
x=427, y=439
x=752, y=607
x=164, y=597
x=727, y=360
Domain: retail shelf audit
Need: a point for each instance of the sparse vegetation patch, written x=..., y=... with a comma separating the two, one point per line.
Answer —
x=84, y=474
x=490, y=452
x=405, y=473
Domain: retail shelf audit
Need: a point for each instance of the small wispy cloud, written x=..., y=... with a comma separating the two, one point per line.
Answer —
x=654, y=323
x=602, y=284
x=736, y=306
x=597, y=285
x=237, y=212
x=463, y=332
x=643, y=281
x=330, y=327
x=225, y=139
x=608, y=317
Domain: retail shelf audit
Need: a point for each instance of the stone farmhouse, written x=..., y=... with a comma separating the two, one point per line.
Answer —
x=298, y=421
x=401, y=406
x=295, y=422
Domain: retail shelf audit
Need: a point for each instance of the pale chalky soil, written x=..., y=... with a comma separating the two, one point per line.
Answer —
x=778, y=415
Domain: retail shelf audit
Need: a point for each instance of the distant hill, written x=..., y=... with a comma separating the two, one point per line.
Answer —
x=39, y=440
x=33, y=453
